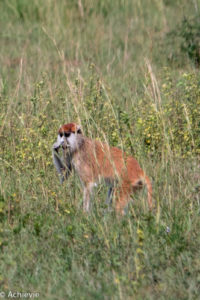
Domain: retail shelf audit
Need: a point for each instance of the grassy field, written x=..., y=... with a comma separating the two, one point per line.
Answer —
x=128, y=72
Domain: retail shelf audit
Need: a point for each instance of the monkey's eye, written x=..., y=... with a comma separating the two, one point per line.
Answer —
x=67, y=134
x=61, y=134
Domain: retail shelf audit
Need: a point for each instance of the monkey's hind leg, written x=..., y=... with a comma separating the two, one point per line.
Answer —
x=122, y=199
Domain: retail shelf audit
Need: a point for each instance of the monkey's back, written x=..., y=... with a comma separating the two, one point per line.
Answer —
x=96, y=159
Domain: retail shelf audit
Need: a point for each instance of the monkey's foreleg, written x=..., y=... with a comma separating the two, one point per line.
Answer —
x=87, y=193
x=67, y=164
x=58, y=163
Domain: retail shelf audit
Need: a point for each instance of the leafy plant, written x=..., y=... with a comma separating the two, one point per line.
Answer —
x=189, y=34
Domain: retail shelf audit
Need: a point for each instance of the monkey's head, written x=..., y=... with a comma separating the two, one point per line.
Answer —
x=69, y=136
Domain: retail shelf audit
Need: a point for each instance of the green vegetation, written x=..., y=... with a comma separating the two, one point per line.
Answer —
x=127, y=71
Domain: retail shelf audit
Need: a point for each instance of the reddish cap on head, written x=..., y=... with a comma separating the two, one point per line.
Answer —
x=70, y=127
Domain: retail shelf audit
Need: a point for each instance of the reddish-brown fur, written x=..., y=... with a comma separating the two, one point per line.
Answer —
x=94, y=160
x=71, y=127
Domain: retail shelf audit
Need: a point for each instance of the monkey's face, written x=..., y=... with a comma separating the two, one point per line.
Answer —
x=69, y=136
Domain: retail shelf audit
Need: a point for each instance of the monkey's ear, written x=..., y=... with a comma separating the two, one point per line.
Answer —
x=79, y=131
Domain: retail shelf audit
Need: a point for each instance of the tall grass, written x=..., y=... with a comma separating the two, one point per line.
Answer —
x=110, y=66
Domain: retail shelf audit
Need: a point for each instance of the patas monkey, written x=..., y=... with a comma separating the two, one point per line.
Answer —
x=93, y=160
